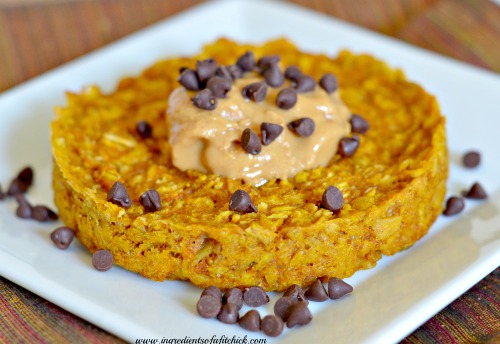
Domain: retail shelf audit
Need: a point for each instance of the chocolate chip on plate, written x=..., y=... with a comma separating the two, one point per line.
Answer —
x=292, y=73
x=189, y=80
x=241, y=202
x=316, y=292
x=62, y=237
x=359, y=124
x=270, y=132
x=286, y=98
x=233, y=296
x=255, y=297
x=43, y=213
x=454, y=205
x=17, y=187
x=256, y=91
x=296, y=293
x=329, y=83
x=272, y=325
x=102, y=260
x=283, y=306
x=246, y=61
x=266, y=61
x=228, y=314
x=250, y=321
x=212, y=291
x=209, y=306
x=204, y=100
x=250, y=142
x=332, y=199
x=219, y=86
x=205, y=69
x=26, y=176
x=303, y=127
x=273, y=76
x=471, y=159
x=144, y=129
x=150, y=200
x=304, y=83
x=299, y=315
x=476, y=191
x=118, y=195
x=338, y=288
x=348, y=146
x=24, y=209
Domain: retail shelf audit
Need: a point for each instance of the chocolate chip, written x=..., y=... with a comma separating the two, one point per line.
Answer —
x=454, y=205
x=219, y=86
x=255, y=297
x=316, y=292
x=204, y=100
x=189, y=80
x=241, y=202
x=338, y=288
x=250, y=321
x=299, y=315
x=266, y=61
x=472, y=159
x=223, y=72
x=296, y=293
x=332, y=199
x=250, y=142
x=359, y=124
x=118, y=195
x=212, y=291
x=24, y=209
x=246, y=61
x=235, y=71
x=348, y=146
x=42, y=213
x=208, y=306
x=17, y=187
x=304, y=83
x=273, y=76
x=256, y=91
x=205, y=69
x=283, y=306
x=62, y=237
x=476, y=191
x=234, y=296
x=102, y=260
x=286, y=99
x=329, y=83
x=270, y=132
x=228, y=314
x=272, y=325
x=292, y=73
x=26, y=176
x=144, y=129
x=151, y=200
x=303, y=127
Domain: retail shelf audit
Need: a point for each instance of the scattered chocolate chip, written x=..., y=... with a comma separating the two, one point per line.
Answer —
x=270, y=132
x=250, y=142
x=329, y=83
x=273, y=76
x=471, y=159
x=256, y=91
x=359, y=124
x=246, y=61
x=272, y=325
x=454, y=205
x=234, y=296
x=102, y=260
x=17, y=187
x=208, y=306
x=348, y=146
x=204, y=100
x=42, y=213
x=286, y=99
x=223, y=72
x=332, y=199
x=144, y=129
x=241, y=202
x=266, y=61
x=189, y=80
x=255, y=297
x=219, y=86
x=296, y=293
x=316, y=292
x=250, y=321
x=303, y=126
x=235, y=71
x=476, y=191
x=299, y=315
x=205, y=69
x=228, y=314
x=118, y=195
x=283, y=306
x=151, y=200
x=304, y=83
x=338, y=288
x=212, y=291
x=2, y=195
x=24, y=209
x=26, y=176
x=292, y=73
x=62, y=237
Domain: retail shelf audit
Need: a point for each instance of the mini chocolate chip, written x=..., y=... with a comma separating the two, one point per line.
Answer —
x=266, y=61
x=256, y=91
x=212, y=291
x=144, y=129
x=250, y=321
x=219, y=86
x=26, y=176
x=24, y=209
x=102, y=260
x=228, y=314
x=283, y=306
x=303, y=126
x=234, y=296
x=273, y=76
x=272, y=325
x=62, y=237
x=151, y=200
x=208, y=306
x=332, y=199
x=304, y=83
x=270, y=132
x=286, y=99
x=205, y=69
x=348, y=146
x=235, y=71
x=292, y=73
x=454, y=205
x=338, y=288
x=476, y=191
x=316, y=292
x=204, y=100
x=329, y=83
x=472, y=159
x=255, y=297
x=118, y=195
x=359, y=124
x=223, y=72
x=42, y=213
x=17, y=187
x=250, y=142
x=299, y=315
x=241, y=202
x=189, y=80
x=246, y=61
x=297, y=293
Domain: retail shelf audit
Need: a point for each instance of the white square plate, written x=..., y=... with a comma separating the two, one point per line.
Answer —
x=388, y=302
